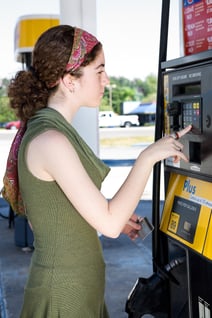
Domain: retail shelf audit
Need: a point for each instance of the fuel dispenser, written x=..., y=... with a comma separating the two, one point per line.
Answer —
x=186, y=222
x=182, y=240
x=183, y=266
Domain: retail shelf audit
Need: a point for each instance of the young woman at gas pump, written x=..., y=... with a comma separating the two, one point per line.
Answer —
x=60, y=177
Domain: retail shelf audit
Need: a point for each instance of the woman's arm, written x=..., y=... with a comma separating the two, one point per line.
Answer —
x=51, y=157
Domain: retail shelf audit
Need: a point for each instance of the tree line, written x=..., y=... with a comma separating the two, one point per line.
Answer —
x=118, y=91
x=122, y=89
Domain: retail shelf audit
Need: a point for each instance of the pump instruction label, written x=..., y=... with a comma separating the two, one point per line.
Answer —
x=187, y=214
x=184, y=218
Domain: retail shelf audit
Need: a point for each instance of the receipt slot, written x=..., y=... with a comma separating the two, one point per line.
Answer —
x=186, y=221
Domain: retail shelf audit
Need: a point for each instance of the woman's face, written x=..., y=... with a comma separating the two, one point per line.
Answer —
x=91, y=84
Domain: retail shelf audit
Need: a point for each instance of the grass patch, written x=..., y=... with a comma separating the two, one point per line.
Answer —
x=125, y=141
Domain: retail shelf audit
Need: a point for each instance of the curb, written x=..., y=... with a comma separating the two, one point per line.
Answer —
x=3, y=302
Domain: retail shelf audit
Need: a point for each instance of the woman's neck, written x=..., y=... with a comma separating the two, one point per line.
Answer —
x=64, y=107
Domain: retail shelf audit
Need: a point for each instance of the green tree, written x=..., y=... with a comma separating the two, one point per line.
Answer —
x=147, y=88
x=123, y=89
x=6, y=113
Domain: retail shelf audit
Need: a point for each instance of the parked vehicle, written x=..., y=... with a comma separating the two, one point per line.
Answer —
x=13, y=124
x=111, y=119
x=2, y=124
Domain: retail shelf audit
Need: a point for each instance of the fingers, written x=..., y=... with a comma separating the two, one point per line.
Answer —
x=175, y=135
x=175, y=149
x=179, y=154
x=133, y=235
x=134, y=217
x=134, y=224
x=178, y=147
x=181, y=133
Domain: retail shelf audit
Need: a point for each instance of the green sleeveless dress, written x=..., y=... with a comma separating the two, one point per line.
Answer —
x=67, y=271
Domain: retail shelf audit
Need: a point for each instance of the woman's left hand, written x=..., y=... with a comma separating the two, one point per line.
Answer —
x=132, y=227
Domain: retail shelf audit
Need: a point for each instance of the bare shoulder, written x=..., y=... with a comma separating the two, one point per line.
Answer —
x=48, y=136
x=51, y=145
x=48, y=151
x=49, y=139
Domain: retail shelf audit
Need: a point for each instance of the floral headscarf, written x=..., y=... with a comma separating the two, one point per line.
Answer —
x=84, y=42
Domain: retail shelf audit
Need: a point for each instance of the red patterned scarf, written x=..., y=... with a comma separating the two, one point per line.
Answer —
x=10, y=191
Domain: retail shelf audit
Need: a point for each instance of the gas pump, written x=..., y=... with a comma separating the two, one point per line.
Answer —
x=182, y=240
x=186, y=224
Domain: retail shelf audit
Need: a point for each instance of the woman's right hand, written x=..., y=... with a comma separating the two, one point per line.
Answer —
x=168, y=146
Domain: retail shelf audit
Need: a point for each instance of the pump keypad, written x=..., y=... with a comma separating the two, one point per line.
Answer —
x=191, y=114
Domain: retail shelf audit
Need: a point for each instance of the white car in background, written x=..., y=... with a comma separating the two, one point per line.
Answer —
x=111, y=119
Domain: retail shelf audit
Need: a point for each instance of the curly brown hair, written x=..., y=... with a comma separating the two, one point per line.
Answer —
x=30, y=89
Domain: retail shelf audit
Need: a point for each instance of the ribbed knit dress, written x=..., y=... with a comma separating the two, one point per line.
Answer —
x=67, y=271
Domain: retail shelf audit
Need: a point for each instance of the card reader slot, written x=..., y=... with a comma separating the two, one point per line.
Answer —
x=194, y=152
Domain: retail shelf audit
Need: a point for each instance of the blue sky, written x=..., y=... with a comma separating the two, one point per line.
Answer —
x=129, y=31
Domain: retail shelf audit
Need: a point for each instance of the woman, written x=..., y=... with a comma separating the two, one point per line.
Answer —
x=60, y=177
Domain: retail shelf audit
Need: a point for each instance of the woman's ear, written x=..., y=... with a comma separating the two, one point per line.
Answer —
x=68, y=82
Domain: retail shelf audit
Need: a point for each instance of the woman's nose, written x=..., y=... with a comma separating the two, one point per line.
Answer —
x=106, y=80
